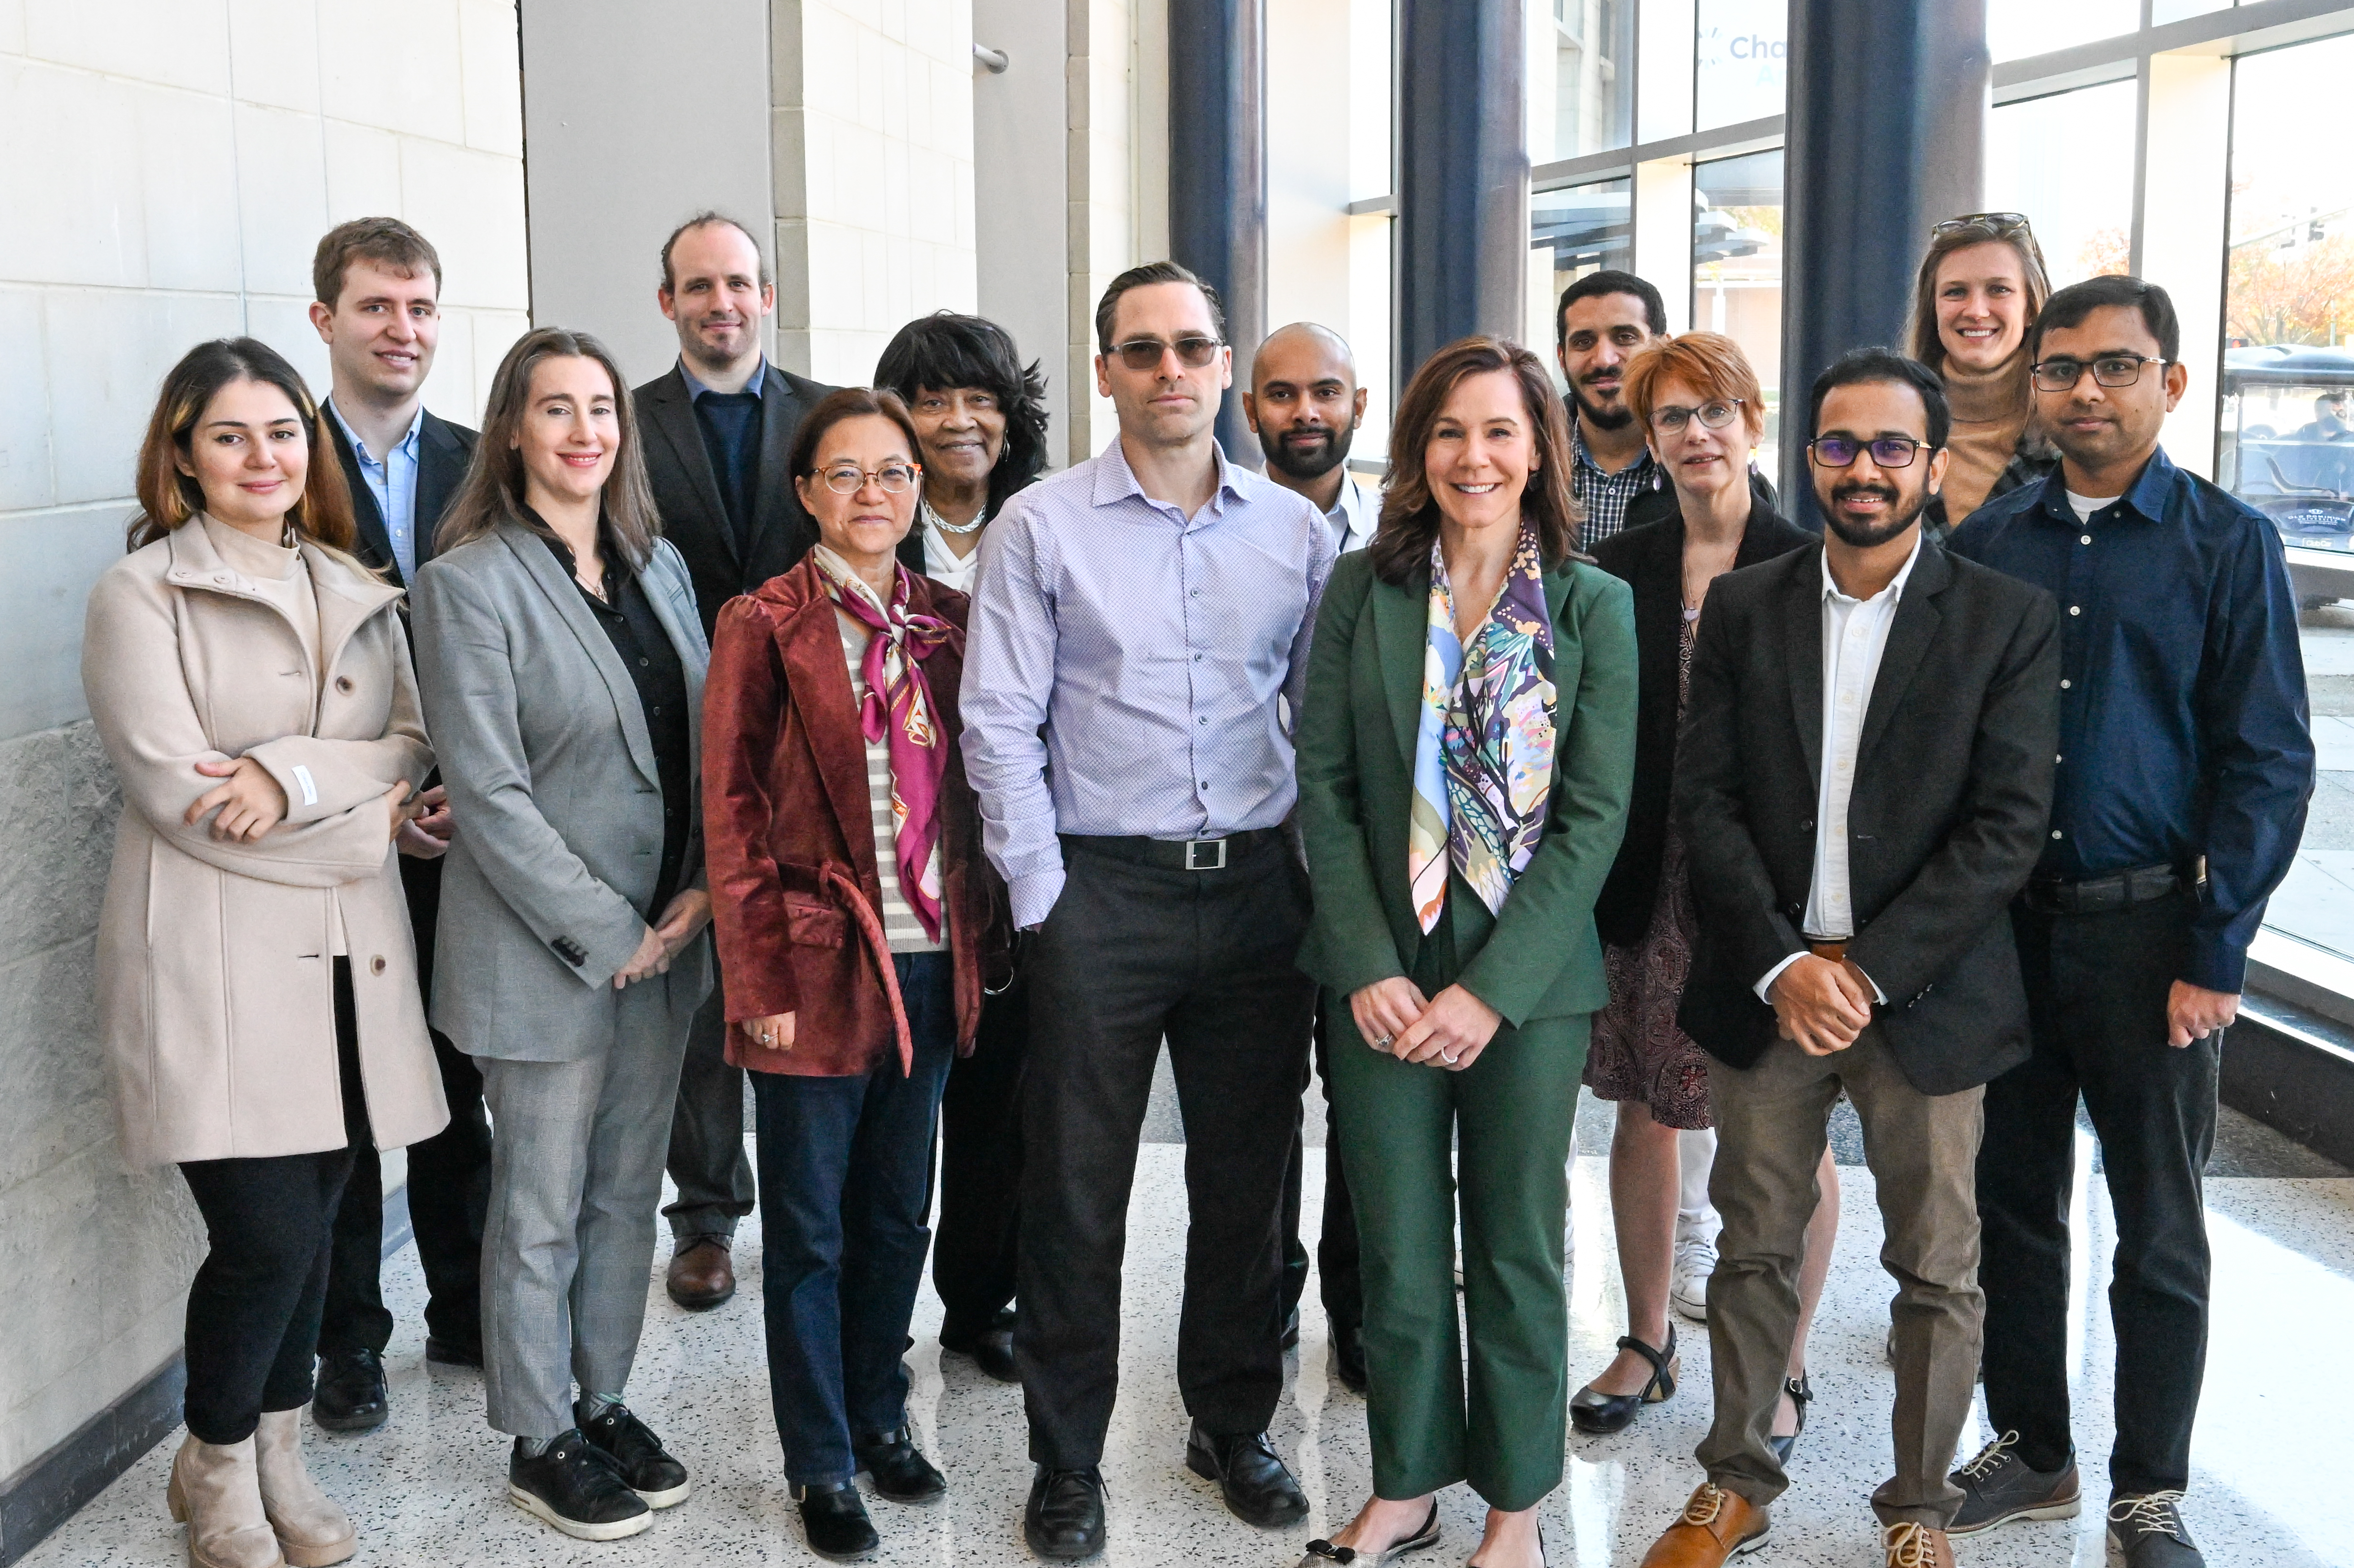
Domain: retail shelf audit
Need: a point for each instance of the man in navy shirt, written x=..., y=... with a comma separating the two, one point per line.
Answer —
x=2185, y=764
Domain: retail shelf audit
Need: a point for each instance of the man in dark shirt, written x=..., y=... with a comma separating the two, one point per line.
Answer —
x=717, y=429
x=2185, y=764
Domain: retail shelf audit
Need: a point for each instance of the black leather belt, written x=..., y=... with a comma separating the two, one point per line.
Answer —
x=1177, y=855
x=2051, y=896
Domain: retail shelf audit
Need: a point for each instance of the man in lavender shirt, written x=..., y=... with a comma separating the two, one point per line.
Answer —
x=1139, y=639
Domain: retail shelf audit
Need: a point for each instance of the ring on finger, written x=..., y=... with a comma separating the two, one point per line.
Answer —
x=1450, y=1061
x=1383, y=1043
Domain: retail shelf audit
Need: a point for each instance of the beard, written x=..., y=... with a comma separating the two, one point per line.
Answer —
x=1307, y=462
x=1599, y=418
x=1864, y=537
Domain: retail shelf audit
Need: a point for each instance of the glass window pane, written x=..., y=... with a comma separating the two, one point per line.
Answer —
x=2067, y=162
x=1593, y=76
x=1737, y=269
x=2017, y=29
x=1664, y=57
x=1572, y=231
x=1742, y=51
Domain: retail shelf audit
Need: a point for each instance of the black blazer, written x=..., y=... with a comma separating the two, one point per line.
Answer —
x=443, y=451
x=1657, y=502
x=1952, y=796
x=1652, y=560
x=686, y=492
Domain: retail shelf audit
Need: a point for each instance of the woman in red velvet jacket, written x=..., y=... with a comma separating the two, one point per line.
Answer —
x=854, y=909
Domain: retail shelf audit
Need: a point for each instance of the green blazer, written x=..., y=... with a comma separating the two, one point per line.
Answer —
x=1538, y=958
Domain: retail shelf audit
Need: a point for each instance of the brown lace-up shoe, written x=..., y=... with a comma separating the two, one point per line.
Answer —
x=1716, y=1524
x=1911, y=1545
x=702, y=1273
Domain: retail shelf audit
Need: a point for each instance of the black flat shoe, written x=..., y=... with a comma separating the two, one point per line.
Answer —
x=1602, y=1413
x=453, y=1353
x=573, y=1487
x=1065, y=1519
x=1349, y=1358
x=350, y=1396
x=1258, y=1490
x=834, y=1519
x=636, y=1454
x=898, y=1471
x=1801, y=1395
x=991, y=1348
x=1324, y=1554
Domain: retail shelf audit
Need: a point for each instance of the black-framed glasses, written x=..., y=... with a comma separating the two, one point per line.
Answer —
x=2061, y=375
x=1712, y=415
x=848, y=478
x=1888, y=451
x=1144, y=353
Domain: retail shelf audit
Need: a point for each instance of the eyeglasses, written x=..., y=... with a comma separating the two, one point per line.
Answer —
x=2003, y=224
x=848, y=478
x=1712, y=415
x=2109, y=370
x=1144, y=353
x=1888, y=451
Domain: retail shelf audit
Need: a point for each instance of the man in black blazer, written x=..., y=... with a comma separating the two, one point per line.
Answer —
x=1863, y=780
x=717, y=429
x=378, y=284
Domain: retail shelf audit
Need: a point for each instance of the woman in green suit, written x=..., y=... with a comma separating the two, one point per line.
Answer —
x=1466, y=754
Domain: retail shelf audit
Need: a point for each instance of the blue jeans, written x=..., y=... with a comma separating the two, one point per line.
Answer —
x=845, y=1172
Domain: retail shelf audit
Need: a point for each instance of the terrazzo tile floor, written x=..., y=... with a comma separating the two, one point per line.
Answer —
x=2271, y=1456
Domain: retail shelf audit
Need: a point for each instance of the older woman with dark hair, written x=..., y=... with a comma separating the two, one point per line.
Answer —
x=558, y=649
x=854, y=911
x=1466, y=747
x=1982, y=284
x=981, y=420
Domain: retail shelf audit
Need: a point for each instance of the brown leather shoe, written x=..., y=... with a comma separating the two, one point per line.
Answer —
x=702, y=1274
x=1911, y=1545
x=1715, y=1525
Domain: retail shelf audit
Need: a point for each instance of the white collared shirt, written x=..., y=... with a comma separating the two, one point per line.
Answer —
x=943, y=566
x=1354, y=514
x=1855, y=635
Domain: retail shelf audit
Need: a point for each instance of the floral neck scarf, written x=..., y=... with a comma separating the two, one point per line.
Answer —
x=1483, y=752
x=898, y=707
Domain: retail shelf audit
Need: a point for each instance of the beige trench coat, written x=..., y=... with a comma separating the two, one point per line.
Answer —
x=215, y=970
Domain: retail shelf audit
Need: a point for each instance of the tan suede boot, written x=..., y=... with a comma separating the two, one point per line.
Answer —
x=216, y=1493
x=313, y=1529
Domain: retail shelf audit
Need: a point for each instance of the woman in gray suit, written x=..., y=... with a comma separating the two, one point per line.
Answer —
x=558, y=648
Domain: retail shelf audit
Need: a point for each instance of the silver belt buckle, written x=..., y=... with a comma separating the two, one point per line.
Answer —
x=1194, y=844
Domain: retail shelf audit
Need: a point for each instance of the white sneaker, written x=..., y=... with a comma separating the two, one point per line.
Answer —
x=1687, y=1280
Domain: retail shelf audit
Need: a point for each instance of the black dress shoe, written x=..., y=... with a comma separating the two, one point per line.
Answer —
x=572, y=1486
x=1349, y=1357
x=1593, y=1411
x=898, y=1471
x=1290, y=1330
x=636, y=1454
x=834, y=1519
x=991, y=1347
x=1258, y=1490
x=1064, y=1520
x=453, y=1353
x=350, y=1396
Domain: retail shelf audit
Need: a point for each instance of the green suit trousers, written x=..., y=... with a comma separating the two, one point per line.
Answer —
x=1511, y=1112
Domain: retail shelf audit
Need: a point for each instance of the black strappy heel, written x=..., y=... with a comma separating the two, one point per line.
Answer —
x=1600, y=1414
x=1801, y=1395
x=1324, y=1554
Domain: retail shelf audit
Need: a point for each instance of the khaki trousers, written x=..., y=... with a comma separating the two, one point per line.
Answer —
x=1772, y=1121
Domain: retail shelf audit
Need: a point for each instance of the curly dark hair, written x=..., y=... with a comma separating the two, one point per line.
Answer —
x=947, y=350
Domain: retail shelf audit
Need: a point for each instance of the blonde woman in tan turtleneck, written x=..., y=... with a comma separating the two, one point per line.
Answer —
x=1980, y=289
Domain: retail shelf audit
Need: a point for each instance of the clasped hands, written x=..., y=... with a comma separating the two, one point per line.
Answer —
x=687, y=913
x=1450, y=1031
x=1821, y=1005
x=251, y=802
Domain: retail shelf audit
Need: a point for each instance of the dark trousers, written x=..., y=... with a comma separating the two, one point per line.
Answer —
x=2096, y=990
x=973, y=1251
x=254, y=1305
x=1129, y=955
x=844, y=1177
x=707, y=1163
x=1341, y=1283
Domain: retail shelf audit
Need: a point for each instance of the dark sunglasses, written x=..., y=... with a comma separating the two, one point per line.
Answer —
x=1144, y=353
x=1888, y=451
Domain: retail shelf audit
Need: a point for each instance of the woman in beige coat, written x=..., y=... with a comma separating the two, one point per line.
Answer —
x=256, y=972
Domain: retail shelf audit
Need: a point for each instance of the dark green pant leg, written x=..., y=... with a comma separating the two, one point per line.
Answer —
x=1518, y=1104
x=1396, y=1123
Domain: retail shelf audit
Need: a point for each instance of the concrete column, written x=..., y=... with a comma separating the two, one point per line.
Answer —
x=1886, y=135
x=1217, y=175
x=1463, y=173
x=1021, y=191
x=1662, y=206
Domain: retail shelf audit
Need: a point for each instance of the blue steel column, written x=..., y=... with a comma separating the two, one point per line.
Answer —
x=1886, y=135
x=1217, y=176
x=1463, y=172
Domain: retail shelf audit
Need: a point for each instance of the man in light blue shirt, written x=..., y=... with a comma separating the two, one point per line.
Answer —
x=1139, y=621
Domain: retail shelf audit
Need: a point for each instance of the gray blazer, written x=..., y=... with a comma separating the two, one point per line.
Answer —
x=553, y=788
